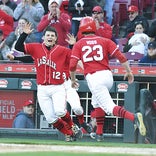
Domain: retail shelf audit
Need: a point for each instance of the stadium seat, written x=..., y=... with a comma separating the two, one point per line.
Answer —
x=121, y=43
x=133, y=56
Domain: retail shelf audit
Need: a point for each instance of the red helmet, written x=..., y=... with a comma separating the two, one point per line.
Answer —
x=87, y=24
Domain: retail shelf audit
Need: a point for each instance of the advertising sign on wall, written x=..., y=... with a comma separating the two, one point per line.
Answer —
x=11, y=102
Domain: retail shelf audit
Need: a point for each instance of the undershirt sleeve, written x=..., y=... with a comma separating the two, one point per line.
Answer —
x=20, y=42
x=25, y=59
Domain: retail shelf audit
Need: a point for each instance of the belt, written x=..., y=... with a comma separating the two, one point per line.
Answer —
x=46, y=84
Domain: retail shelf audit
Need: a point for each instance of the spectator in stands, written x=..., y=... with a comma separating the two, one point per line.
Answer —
x=11, y=4
x=78, y=10
x=25, y=118
x=108, y=7
x=4, y=49
x=13, y=36
x=150, y=58
x=103, y=29
x=59, y=20
x=6, y=20
x=32, y=10
x=139, y=41
x=134, y=17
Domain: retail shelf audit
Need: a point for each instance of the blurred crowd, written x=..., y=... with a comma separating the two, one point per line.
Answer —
x=65, y=16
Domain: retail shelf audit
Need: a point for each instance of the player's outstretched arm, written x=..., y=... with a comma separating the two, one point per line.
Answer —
x=28, y=28
x=128, y=73
x=70, y=39
x=20, y=42
x=74, y=81
x=10, y=57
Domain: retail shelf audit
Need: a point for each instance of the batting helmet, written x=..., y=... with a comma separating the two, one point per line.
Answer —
x=87, y=24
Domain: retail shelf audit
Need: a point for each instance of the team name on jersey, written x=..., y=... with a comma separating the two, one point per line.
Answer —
x=91, y=42
x=46, y=61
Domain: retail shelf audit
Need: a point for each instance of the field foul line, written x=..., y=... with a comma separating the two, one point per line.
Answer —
x=8, y=148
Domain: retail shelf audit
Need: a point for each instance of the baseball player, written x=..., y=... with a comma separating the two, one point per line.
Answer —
x=74, y=100
x=72, y=95
x=94, y=53
x=49, y=60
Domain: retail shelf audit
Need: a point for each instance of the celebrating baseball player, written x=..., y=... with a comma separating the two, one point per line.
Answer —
x=50, y=60
x=72, y=95
x=94, y=52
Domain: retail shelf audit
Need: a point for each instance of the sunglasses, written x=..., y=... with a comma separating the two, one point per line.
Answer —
x=95, y=12
x=131, y=13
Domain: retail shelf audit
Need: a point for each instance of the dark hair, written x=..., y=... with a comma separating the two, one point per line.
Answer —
x=50, y=28
x=26, y=20
x=139, y=22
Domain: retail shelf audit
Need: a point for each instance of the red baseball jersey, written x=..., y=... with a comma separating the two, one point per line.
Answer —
x=49, y=63
x=66, y=71
x=94, y=51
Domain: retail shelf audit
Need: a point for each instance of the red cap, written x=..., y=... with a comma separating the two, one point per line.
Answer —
x=133, y=8
x=28, y=102
x=97, y=9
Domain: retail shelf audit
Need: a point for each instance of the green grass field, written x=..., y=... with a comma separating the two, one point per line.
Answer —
x=71, y=144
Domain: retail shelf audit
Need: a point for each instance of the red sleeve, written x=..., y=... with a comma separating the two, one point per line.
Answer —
x=7, y=18
x=73, y=64
x=120, y=56
x=105, y=30
x=65, y=21
x=114, y=51
x=43, y=23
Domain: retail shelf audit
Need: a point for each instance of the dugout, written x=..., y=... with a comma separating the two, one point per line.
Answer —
x=13, y=91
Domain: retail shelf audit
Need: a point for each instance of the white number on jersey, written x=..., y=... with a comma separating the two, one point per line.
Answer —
x=56, y=75
x=98, y=56
x=64, y=76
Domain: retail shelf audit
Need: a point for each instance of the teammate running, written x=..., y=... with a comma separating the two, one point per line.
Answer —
x=94, y=52
x=49, y=60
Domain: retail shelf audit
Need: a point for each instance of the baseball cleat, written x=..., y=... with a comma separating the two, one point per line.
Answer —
x=87, y=127
x=99, y=137
x=93, y=135
x=68, y=138
x=139, y=124
x=77, y=131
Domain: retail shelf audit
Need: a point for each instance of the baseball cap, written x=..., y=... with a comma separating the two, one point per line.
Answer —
x=133, y=8
x=152, y=45
x=28, y=102
x=56, y=1
x=97, y=9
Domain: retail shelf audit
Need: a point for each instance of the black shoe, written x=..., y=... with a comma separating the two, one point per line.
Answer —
x=139, y=124
x=87, y=127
